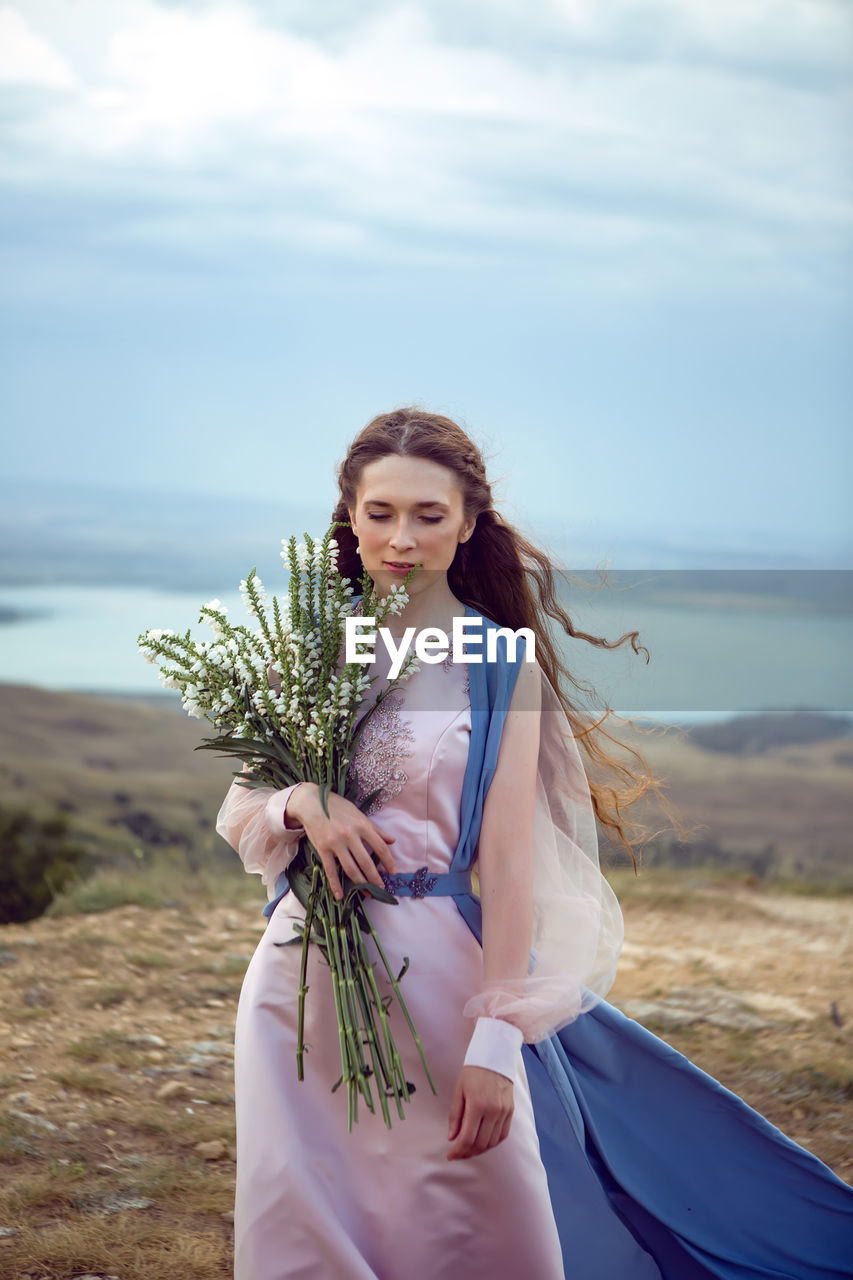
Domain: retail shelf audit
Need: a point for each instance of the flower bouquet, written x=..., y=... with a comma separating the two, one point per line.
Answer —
x=288, y=709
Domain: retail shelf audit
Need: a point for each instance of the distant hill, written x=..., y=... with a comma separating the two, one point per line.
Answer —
x=126, y=774
x=749, y=734
x=129, y=537
x=123, y=771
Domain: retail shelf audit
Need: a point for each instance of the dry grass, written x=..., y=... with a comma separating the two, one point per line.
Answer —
x=102, y=1174
x=746, y=954
x=117, y=1188
x=796, y=802
x=116, y=1185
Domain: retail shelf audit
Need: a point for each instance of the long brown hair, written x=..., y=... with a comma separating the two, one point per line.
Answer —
x=508, y=579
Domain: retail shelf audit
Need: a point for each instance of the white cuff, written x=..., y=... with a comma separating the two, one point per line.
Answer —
x=495, y=1045
x=276, y=809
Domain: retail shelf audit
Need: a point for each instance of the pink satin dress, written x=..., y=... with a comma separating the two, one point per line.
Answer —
x=315, y=1202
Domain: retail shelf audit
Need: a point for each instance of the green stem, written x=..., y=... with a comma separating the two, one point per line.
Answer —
x=395, y=984
x=303, y=972
x=346, y=1068
x=396, y=1072
x=379, y=1069
x=343, y=943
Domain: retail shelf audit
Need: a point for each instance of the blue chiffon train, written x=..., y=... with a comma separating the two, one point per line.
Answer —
x=634, y=1134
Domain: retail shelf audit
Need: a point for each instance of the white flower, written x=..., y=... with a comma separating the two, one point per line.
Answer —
x=155, y=634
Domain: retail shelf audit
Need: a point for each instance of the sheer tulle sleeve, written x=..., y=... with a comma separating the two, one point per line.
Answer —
x=252, y=822
x=577, y=922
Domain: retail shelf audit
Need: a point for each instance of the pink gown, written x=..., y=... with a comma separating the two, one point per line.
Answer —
x=314, y=1201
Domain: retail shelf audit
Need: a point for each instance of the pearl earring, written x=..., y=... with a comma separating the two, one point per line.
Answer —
x=358, y=549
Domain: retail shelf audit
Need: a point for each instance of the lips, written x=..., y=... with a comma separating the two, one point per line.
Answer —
x=398, y=564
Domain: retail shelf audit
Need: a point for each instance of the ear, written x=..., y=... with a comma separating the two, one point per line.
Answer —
x=352, y=522
x=467, y=530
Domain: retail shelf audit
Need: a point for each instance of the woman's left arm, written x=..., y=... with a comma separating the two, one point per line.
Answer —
x=482, y=1107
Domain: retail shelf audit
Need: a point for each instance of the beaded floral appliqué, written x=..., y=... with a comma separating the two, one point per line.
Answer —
x=385, y=739
x=419, y=882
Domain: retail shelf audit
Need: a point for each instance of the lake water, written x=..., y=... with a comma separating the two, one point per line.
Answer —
x=706, y=663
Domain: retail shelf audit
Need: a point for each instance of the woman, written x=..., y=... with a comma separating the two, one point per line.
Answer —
x=591, y=1153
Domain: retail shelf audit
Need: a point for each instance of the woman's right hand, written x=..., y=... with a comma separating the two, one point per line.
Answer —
x=346, y=837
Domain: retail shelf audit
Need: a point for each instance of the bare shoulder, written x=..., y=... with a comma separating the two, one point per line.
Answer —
x=527, y=694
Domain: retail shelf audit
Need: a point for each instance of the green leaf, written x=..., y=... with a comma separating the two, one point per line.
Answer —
x=368, y=800
x=380, y=893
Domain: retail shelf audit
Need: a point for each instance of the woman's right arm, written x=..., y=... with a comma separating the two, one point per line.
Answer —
x=264, y=826
x=258, y=823
x=346, y=838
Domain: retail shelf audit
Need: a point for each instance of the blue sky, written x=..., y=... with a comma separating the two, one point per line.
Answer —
x=613, y=239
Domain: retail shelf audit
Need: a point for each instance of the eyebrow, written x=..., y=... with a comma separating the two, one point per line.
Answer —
x=378, y=502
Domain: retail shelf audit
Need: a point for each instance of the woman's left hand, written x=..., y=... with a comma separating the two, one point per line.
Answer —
x=481, y=1112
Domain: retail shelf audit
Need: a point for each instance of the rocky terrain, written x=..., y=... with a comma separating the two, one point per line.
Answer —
x=117, y=1013
x=116, y=1090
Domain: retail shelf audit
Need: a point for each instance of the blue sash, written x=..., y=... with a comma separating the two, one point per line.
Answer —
x=654, y=1168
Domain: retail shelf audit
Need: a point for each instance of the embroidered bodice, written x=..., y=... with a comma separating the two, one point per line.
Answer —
x=413, y=751
x=386, y=740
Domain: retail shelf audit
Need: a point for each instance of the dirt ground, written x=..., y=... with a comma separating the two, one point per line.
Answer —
x=756, y=987
x=116, y=1090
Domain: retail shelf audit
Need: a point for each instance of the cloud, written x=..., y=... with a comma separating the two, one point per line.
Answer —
x=27, y=60
x=574, y=127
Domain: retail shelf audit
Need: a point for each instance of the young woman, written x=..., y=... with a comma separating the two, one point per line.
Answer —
x=563, y=1140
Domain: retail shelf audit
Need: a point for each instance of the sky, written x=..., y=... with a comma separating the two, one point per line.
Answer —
x=612, y=239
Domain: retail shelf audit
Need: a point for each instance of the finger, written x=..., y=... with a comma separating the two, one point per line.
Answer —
x=457, y=1107
x=505, y=1128
x=376, y=842
x=493, y=1135
x=467, y=1138
x=482, y=1138
x=350, y=867
x=367, y=866
x=357, y=863
x=474, y=1139
x=331, y=870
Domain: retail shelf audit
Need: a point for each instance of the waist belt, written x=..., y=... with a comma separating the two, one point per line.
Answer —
x=420, y=884
x=409, y=884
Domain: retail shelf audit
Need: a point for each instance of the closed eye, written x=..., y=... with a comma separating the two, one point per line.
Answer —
x=375, y=515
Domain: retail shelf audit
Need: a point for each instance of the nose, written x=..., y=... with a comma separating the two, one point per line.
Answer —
x=402, y=538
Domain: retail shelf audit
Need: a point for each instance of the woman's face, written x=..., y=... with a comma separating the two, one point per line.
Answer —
x=408, y=510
